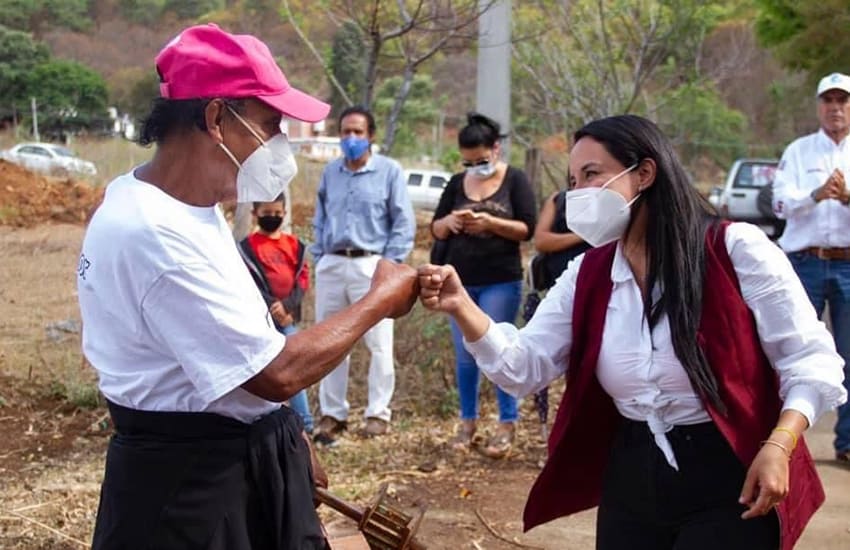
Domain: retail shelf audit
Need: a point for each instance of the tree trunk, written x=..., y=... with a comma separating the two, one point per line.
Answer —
x=533, y=173
x=371, y=70
x=400, y=98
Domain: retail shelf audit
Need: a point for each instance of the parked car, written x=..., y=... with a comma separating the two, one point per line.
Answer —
x=425, y=187
x=48, y=158
x=739, y=200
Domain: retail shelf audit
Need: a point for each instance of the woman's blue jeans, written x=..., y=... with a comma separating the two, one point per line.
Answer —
x=501, y=302
x=299, y=402
x=828, y=282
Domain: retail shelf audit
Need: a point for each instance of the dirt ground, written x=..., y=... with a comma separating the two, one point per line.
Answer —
x=54, y=431
x=28, y=199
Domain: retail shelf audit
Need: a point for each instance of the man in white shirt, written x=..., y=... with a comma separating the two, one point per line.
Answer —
x=811, y=193
x=186, y=352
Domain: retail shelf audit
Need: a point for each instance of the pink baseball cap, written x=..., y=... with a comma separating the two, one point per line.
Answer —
x=206, y=62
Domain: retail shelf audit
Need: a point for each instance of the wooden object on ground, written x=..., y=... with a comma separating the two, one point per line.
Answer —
x=385, y=527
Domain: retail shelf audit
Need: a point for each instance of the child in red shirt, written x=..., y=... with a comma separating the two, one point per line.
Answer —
x=277, y=264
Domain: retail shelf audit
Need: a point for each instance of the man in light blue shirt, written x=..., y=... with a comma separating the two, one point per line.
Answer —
x=363, y=213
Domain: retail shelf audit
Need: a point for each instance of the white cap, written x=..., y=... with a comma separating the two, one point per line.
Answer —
x=834, y=81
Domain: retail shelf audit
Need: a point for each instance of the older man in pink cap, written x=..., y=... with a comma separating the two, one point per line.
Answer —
x=187, y=355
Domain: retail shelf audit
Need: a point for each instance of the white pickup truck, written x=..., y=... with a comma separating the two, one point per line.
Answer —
x=739, y=198
x=425, y=187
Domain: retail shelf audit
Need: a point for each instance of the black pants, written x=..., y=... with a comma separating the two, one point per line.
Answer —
x=646, y=504
x=200, y=481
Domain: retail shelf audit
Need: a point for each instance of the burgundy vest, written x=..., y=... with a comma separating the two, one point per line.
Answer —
x=587, y=419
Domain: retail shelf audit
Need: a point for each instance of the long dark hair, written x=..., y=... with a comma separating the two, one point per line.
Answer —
x=677, y=220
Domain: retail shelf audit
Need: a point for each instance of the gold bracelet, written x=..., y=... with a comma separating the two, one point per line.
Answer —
x=794, y=437
x=777, y=444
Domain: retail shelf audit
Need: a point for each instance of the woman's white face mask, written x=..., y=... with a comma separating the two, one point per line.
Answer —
x=597, y=214
x=267, y=172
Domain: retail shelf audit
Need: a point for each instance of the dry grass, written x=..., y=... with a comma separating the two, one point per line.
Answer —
x=37, y=288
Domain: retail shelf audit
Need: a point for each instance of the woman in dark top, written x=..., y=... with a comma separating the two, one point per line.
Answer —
x=483, y=215
x=556, y=244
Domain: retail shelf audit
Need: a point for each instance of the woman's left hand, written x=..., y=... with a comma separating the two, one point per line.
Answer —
x=766, y=484
x=480, y=223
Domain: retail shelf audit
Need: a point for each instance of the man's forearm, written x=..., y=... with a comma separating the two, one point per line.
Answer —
x=400, y=239
x=310, y=354
x=786, y=205
x=316, y=249
x=398, y=245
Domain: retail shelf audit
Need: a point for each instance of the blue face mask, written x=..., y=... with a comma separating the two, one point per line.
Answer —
x=354, y=147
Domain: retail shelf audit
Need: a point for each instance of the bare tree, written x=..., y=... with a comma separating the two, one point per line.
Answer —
x=450, y=27
x=290, y=17
x=400, y=37
x=598, y=57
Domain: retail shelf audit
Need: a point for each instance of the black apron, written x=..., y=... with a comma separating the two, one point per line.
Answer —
x=205, y=481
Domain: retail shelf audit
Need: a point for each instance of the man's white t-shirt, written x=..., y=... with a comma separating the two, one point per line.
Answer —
x=172, y=321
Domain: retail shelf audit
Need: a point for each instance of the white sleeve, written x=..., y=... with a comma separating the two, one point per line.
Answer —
x=522, y=361
x=788, y=197
x=795, y=341
x=218, y=330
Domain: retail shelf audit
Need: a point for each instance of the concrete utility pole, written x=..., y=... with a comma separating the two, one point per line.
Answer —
x=493, y=91
x=34, y=107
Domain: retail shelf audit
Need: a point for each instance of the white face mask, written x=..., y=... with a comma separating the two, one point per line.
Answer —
x=487, y=169
x=599, y=215
x=482, y=171
x=267, y=171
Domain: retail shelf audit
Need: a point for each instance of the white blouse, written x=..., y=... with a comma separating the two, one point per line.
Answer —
x=638, y=367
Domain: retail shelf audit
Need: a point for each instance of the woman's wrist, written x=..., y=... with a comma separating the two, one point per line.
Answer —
x=471, y=320
x=783, y=438
x=438, y=228
x=787, y=432
x=777, y=445
x=788, y=435
x=463, y=306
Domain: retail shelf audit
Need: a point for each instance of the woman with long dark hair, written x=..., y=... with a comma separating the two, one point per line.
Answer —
x=694, y=360
x=483, y=214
